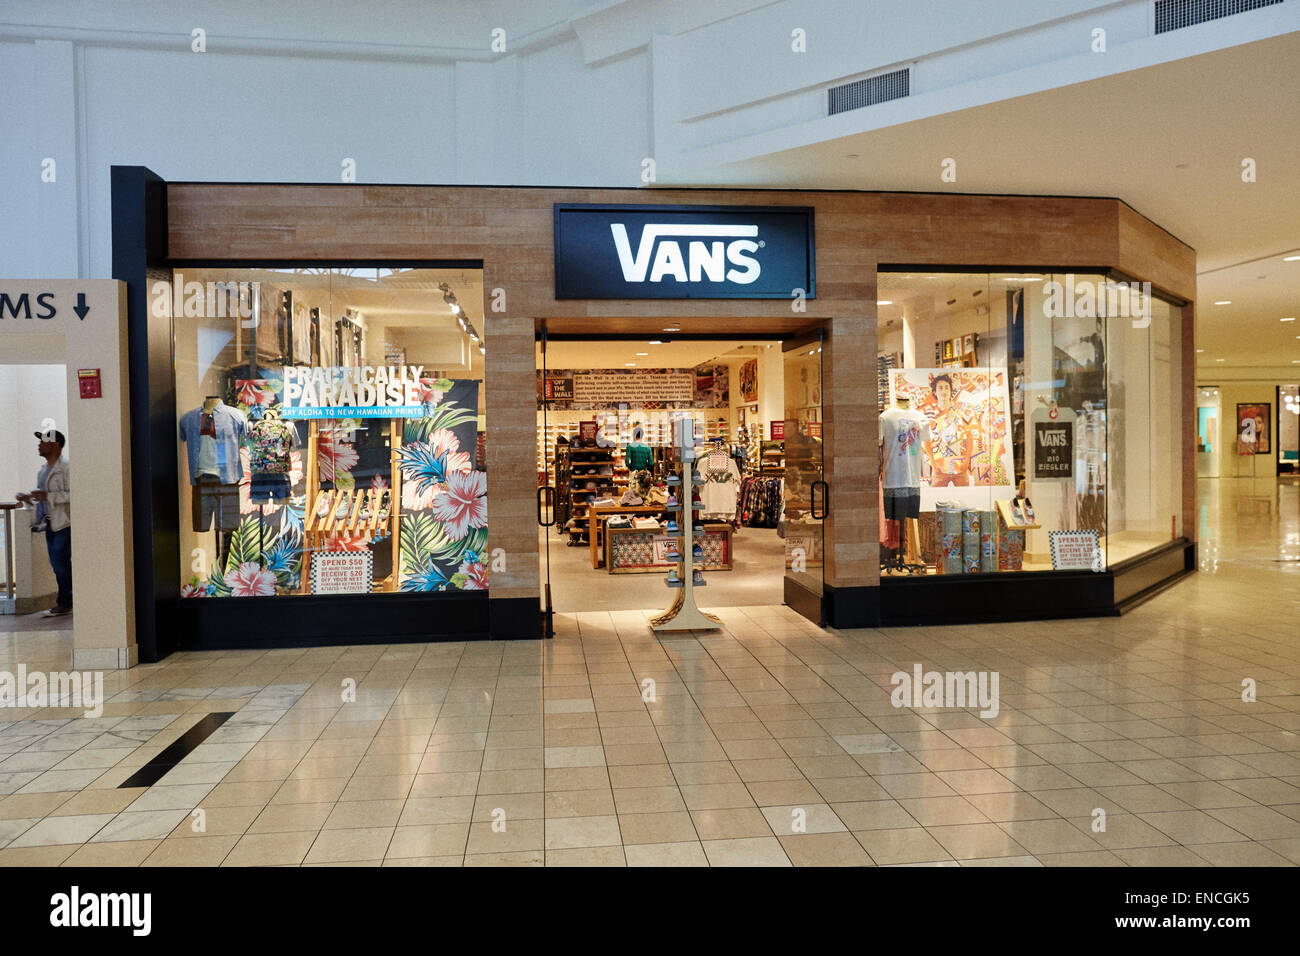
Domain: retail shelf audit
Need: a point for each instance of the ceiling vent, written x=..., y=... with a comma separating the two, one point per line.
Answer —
x=869, y=92
x=1176, y=14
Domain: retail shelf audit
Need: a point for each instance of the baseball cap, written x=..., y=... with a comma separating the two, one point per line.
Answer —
x=52, y=435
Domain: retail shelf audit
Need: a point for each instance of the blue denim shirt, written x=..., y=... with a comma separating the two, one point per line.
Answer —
x=230, y=426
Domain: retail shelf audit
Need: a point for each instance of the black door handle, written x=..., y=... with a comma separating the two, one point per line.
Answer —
x=826, y=499
x=545, y=499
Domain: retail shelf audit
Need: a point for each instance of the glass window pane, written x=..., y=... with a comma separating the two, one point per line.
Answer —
x=331, y=430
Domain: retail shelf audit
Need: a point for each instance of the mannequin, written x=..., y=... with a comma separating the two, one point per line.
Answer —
x=903, y=435
x=638, y=456
x=212, y=434
x=270, y=442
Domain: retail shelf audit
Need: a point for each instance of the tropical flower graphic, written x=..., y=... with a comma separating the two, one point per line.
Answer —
x=194, y=589
x=426, y=466
x=476, y=576
x=430, y=393
x=463, y=505
x=334, y=454
x=251, y=580
x=254, y=391
x=343, y=542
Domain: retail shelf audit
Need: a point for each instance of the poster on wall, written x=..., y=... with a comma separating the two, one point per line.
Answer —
x=1254, y=428
x=778, y=430
x=749, y=381
x=969, y=455
x=592, y=389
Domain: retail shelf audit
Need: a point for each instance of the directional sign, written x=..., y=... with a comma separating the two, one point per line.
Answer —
x=40, y=303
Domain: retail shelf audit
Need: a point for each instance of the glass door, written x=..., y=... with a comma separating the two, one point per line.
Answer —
x=805, y=495
x=546, y=484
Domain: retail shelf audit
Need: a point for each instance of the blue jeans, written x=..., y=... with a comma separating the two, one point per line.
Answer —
x=59, y=546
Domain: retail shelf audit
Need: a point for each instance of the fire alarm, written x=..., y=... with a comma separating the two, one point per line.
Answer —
x=89, y=383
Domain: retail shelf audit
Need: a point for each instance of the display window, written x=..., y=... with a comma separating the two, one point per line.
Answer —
x=330, y=431
x=1028, y=422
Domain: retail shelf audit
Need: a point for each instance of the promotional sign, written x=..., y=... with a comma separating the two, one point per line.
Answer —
x=559, y=389
x=342, y=572
x=1075, y=550
x=1054, y=449
x=1255, y=428
x=392, y=391
x=970, y=449
x=683, y=252
x=778, y=430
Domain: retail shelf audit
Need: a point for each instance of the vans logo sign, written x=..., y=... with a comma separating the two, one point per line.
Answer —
x=683, y=252
x=702, y=259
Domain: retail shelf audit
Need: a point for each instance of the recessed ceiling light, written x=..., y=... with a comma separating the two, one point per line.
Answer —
x=884, y=302
x=1289, y=318
x=1224, y=302
x=654, y=342
x=675, y=328
x=1202, y=350
x=647, y=353
x=1290, y=258
x=629, y=364
x=1218, y=360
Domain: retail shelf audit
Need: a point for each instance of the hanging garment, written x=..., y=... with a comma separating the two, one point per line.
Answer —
x=721, y=487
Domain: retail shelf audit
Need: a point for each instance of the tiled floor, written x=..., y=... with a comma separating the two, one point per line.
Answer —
x=559, y=754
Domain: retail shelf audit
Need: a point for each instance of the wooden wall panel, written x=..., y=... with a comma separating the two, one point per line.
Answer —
x=1147, y=252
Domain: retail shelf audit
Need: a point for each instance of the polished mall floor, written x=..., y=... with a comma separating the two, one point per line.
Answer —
x=757, y=577
x=771, y=743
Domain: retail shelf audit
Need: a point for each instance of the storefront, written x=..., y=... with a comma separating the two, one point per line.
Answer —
x=329, y=384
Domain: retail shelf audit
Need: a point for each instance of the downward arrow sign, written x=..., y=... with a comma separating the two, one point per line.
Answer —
x=81, y=308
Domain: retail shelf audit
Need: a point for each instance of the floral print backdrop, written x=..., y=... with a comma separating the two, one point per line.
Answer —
x=443, y=508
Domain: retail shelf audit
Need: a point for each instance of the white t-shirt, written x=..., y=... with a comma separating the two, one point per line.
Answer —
x=903, y=432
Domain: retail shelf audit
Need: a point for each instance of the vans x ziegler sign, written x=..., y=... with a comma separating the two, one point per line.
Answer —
x=683, y=252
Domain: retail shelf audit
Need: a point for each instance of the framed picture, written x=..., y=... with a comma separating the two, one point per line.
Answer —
x=1255, y=428
x=749, y=381
x=740, y=415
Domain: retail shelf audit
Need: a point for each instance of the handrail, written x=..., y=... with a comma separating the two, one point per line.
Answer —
x=11, y=586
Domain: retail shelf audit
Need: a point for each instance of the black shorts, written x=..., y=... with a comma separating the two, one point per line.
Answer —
x=212, y=499
x=902, y=503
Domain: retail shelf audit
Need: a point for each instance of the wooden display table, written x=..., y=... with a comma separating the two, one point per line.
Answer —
x=634, y=550
x=594, y=513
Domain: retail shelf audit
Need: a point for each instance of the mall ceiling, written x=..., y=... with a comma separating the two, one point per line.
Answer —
x=1169, y=140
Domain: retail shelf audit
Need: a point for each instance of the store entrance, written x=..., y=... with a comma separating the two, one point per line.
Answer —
x=606, y=467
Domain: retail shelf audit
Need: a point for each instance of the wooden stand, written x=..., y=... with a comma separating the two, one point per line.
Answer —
x=683, y=615
x=343, y=511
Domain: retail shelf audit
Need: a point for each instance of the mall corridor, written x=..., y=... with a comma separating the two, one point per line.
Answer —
x=610, y=747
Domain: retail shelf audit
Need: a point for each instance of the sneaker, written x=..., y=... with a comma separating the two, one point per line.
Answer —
x=672, y=526
x=673, y=581
x=672, y=501
x=698, y=580
x=1016, y=512
x=697, y=552
x=1029, y=511
x=57, y=611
